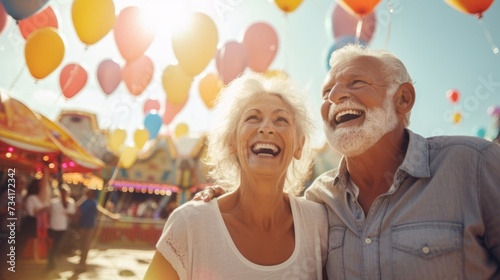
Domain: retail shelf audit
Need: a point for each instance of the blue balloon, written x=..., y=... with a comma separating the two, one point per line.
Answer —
x=481, y=132
x=153, y=123
x=21, y=9
x=341, y=42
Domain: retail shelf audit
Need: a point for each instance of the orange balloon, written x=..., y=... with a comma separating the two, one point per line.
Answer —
x=138, y=74
x=133, y=32
x=473, y=7
x=72, y=79
x=209, y=87
x=44, y=51
x=171, y=110
x=176, y=84
x=287, y=6
x=359, y=7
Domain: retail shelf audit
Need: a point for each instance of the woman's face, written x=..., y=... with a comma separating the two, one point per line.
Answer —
x=266, y=137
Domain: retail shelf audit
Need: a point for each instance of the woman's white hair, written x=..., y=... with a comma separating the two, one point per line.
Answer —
x=224, y=167
x=393, y=68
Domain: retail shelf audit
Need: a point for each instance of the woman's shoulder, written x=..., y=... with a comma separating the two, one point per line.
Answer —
x=308, y=205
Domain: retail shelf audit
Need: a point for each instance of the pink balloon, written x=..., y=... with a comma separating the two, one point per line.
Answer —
x=345, y=24
x=3, y=18
x=494, y=111
x=171, y=110
x=109, y=75
x=72, y=79
x=231, y=61
x=44, y=18
x=133, y=33
x=262, y=44
x=138, y=74
x=151, y=104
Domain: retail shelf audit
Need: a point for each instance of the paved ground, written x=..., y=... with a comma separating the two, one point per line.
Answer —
x=102, y=264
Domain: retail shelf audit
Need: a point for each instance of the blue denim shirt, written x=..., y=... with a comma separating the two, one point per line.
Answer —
x=439, y=220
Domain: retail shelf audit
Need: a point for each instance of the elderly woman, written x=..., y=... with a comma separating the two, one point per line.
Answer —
x=259, y=150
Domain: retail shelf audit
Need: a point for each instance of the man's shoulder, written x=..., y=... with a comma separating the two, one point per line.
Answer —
x=479, y=144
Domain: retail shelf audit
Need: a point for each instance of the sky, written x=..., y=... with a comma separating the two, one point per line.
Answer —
x=442, y=48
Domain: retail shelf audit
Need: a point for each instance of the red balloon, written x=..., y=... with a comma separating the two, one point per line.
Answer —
x=453, y=95
x=261, y=41
x=231, y=61
x=134, y=32
x=138, y=74
x=4, y=19
x=150, y=105
x=44, y=18
x=72, y=79
x=345, y=24
x=171, y=110
x=109, y=75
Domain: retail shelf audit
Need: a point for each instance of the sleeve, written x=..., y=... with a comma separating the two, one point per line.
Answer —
x=489, y=187
x=173, y=243
x=71, y=208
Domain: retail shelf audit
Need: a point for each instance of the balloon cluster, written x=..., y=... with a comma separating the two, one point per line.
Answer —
x=453, y=96
x=352, y=21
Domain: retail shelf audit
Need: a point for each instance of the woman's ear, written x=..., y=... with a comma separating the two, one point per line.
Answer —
x=405, y=98
x=297, y=154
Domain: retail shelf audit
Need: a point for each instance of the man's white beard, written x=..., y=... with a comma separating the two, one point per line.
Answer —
x=355, y=140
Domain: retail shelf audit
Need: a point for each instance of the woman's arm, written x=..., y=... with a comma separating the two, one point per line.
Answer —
x=160, y=268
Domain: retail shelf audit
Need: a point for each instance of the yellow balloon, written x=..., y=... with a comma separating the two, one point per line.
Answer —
x=44, y=51
x=457, y=117
x=181, y=130
x=116, y=140
x=176, y=84
x=287, y=6
x=141, y=136
x=128, y=157
x=196, y=44
x=93, y=19
x=209, y=87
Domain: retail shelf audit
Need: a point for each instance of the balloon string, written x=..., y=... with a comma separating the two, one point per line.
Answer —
x=391, y=10
x=16, y=78
x=359, y=27
x=487, y=33
x=287, y=43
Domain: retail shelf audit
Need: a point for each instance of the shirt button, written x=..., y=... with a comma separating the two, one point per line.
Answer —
x=426, y=250
x=368, y=240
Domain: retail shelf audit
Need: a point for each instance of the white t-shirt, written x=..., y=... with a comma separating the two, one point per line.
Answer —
x=196, y=242
x=32, y=205
x=59, y=215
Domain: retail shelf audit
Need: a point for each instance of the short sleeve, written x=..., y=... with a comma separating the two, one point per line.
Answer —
x=173, y=243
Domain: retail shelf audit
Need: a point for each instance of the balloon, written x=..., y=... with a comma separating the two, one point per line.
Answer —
x=138, y=74
x=141, y=136
x=116, y=140
x=359, y=7
x=128, y=157
x=150, y=105
x=196, y=45
x=453, y=95
x=171, y=110
x=181, y=130
x=72, y=79
x=341, y=42
x=209, y=87
x=473, y=7
x=345, y=24
x=133, y=33
x=93, y=19
x=480, y=132
x=287, y=6
x=109, y=75
x=176, y=84
x=4, y=19
x=44, y=51
x=21, y=9
x=456, y=117
x=231, y=60
x=493, y=111
x=153, y=123
x=44, y=18
x=261, y=41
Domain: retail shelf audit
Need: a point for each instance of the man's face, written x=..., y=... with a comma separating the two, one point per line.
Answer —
x=357, y=110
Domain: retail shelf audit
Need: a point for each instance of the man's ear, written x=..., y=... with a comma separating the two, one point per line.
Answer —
x=405, y=98
x=297, y=154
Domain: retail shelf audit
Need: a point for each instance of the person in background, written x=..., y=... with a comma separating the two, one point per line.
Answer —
x=62, y=208
x=260, y=149
x=401, y=206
